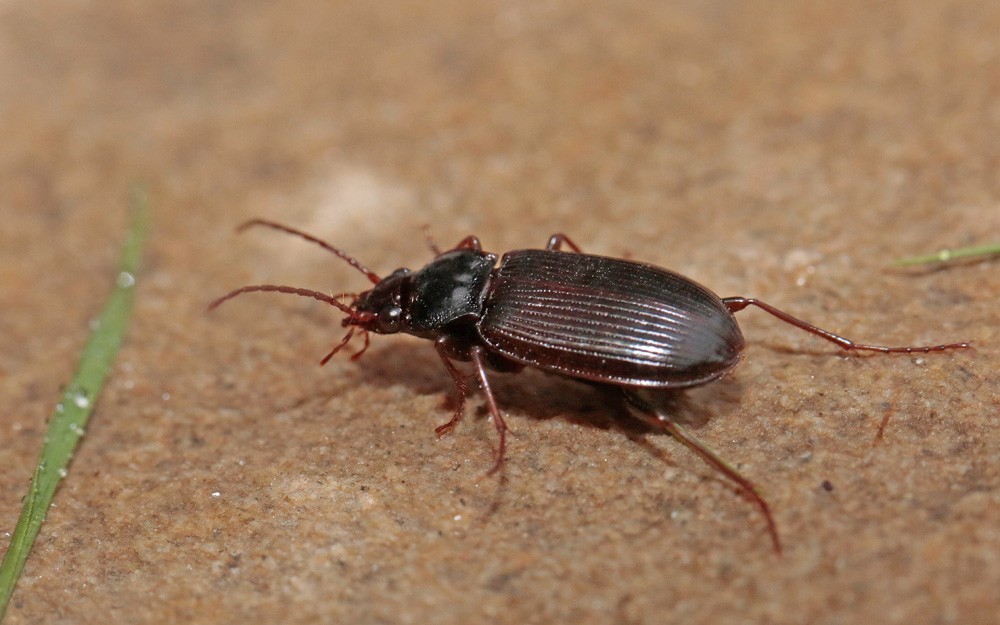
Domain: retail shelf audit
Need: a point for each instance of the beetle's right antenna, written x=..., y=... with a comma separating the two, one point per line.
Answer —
x=353, y=262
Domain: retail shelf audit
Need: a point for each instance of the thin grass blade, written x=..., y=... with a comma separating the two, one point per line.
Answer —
x=73, y=410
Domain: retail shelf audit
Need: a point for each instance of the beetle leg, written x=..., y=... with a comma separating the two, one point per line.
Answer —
x=470, y=242
x=431, y=243
x=557, y=240
x=461, y=385
x=476, y=353
x=645, y=411
x=736, y=304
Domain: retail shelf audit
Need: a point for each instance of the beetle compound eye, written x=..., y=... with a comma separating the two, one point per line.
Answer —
x=390, y=319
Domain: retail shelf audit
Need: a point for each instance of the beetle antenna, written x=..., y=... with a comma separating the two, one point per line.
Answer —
x=648, y=414
x=736, y=304
x=353, y=262
x=333, y=300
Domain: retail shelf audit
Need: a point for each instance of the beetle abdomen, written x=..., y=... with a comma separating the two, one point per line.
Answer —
x=608, y=320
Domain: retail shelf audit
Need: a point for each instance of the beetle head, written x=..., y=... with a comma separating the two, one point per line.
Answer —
x=382, y=309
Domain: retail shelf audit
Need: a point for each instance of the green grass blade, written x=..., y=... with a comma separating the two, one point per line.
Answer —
x=67, y=424
x=949, y=255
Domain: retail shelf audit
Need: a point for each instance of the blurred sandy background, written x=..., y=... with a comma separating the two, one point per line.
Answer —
x=784, y=150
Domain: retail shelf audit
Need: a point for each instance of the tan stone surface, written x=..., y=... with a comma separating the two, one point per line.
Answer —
x=784, y=150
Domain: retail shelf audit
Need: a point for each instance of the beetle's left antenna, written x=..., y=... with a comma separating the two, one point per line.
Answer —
x=354, y=262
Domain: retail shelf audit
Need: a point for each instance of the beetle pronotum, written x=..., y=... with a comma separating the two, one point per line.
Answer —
x=607, y=321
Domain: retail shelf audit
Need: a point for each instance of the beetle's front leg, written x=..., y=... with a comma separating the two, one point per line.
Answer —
x=448, y=351
x=470, y=242
x=557, y=240
x=444, y=350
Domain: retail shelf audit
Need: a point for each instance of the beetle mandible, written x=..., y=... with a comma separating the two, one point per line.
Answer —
x=607, y=321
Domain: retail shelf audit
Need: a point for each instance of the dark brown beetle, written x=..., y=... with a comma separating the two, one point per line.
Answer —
x=603, y=320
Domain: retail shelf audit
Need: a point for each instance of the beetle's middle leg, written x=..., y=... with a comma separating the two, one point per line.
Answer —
x=461, y=385
x=557, y=240
x=478, y=359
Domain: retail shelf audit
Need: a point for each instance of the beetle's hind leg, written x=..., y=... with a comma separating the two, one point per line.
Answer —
x=736, y=304
x=648, y=414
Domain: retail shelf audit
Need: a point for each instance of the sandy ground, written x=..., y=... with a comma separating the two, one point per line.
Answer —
x=784, y=150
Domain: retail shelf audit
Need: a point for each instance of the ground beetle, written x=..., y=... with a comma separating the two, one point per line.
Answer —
x=608, y=321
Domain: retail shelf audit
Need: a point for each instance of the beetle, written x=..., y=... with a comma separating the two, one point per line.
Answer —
x=607, y=321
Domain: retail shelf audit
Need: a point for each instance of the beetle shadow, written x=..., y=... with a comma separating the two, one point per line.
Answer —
x=542, y=396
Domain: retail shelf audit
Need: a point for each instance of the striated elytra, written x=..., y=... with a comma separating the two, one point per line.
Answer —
x=609, y=321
